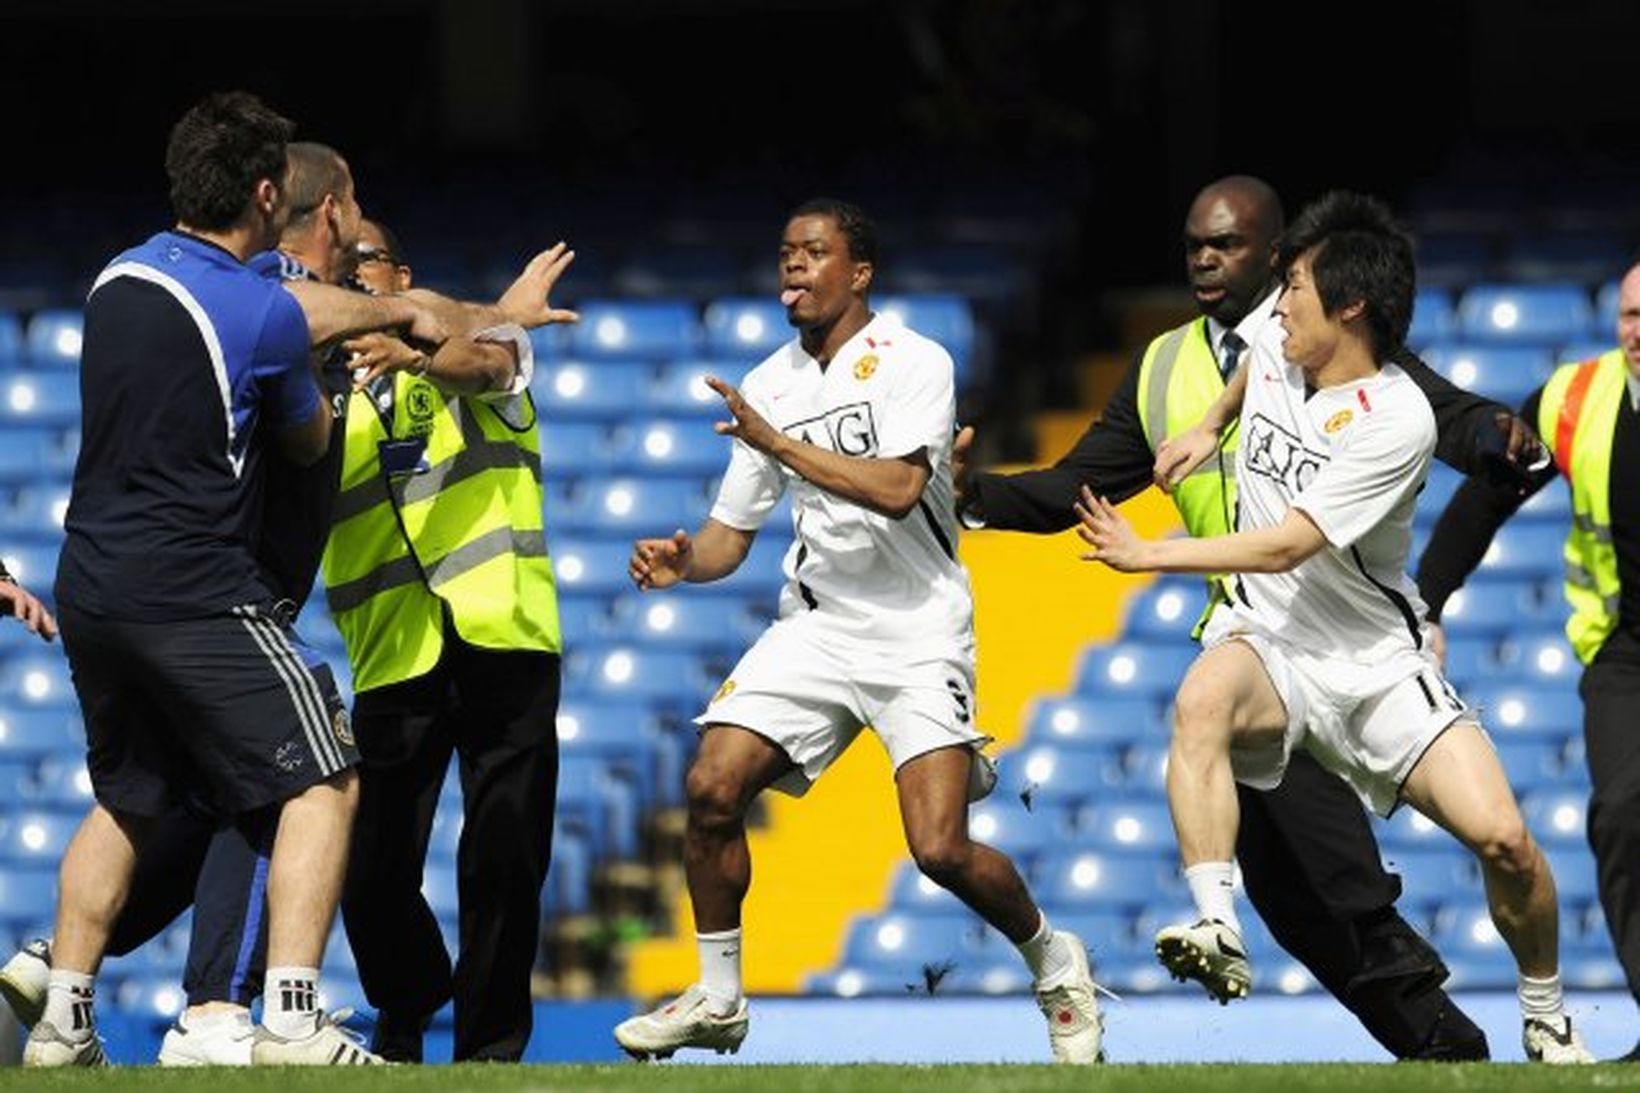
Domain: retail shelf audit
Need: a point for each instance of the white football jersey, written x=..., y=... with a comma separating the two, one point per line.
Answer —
x=1353, y=459
x=888, y=392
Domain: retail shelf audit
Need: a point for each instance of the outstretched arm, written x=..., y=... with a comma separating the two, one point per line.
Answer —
x=1262, y=550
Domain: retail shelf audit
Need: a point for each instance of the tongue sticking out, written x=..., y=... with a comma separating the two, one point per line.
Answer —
x=790, y=296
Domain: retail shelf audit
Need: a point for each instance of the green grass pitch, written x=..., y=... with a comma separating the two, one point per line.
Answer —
x=672, y=1078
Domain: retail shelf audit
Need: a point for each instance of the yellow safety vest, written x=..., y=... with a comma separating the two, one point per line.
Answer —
x=1179, y=381
x=1577, y=418
x=462, y=531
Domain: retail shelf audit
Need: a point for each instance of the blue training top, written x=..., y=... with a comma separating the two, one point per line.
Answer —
x=187, y=351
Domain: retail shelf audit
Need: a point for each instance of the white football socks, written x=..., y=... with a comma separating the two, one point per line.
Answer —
x=70, y=1001
x=720, y=970
x=1213, y=887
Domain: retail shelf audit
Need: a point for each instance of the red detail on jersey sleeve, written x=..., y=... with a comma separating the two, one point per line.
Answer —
x=1361, y=396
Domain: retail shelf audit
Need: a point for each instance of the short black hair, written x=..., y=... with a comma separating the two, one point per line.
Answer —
x=1360, y=253
x=220, y=149
x=394, y=247
x=850, y=219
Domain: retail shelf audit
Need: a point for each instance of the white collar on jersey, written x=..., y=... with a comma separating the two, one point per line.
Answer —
x=879, y=329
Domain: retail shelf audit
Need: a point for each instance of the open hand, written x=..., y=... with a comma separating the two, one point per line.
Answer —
x=28, y=608
x=661, y=563
x=1113, y=539
x=960, y=469
x=525, y=301
x=378, y=354
x=1177, y=457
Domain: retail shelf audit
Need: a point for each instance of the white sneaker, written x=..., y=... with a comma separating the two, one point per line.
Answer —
x=48, y=1047
x=1076, y=1028
x=327, y=1045
x=1209, y=952
x=686, y=1021
x=1545, y=1043
x=25, y=979
x=220, y=1041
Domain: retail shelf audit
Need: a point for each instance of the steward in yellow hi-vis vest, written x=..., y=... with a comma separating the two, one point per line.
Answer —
x=438, y=577
x=1309, y=859
x=440, y=510
x=1586, y=414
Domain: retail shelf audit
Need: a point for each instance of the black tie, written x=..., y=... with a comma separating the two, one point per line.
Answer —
x=1230, y=354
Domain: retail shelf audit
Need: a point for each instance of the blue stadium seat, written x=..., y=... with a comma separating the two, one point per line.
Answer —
x=1097, y=878
x=675, y=680
x=1167, y=610
x=597, y=806
x=1543, y=658
x=1109, y=935
x=1433, y=318
x=34, y=510
x=576, y=448
x=685, y=619
x=1410, y=830
x=1576, y=880
x=1431, y=872
x=905, y=941
x=28, y=893
x=674, y=446
x=36, y=681
x=29, y=735
x=1507, y=373
x=153, y=994
x=1605, y=320
x=1073, y=721
x=33, y=564
x=1437, y=490
x=1525, y=549
x=1552, y=502
x=63, y=783
x=54, y=338
x=1517, y=711
x=1002, y=820
x=598, y=390
x=651, y=330
x=1471, y=659
x=746, y=328
x=1057, y=778
x=11, y=340
x=628, y=737
x=1557, y=816
x=680, y=388
x=37, y=836
x=911, y=893
x=1135, y=669
x=1143, y=826
x=40, y=398
x=1530, y=764
x=583, y=617
x=762, y=573
x=1144, y=770
x=1464, y=932
x=568, y=890
x=1546, y=314
x=25, y=452
x=646, y=507
x=1490, y=609
x=438, y=887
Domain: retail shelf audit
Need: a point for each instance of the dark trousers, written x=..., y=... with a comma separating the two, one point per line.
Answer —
x=1312, y=869
x=193, y=857
x=1611, y=735
x=496, y=711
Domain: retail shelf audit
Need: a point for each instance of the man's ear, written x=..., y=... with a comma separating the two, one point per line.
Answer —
x=861, y=281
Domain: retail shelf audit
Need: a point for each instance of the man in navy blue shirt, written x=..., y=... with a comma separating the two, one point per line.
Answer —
x=188, y=681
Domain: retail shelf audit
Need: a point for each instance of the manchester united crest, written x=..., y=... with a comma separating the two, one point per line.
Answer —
x=865, y=366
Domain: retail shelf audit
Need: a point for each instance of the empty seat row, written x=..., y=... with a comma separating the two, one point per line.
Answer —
x=1547, y=315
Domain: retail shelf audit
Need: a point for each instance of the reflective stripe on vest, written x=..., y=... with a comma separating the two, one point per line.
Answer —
x=1179, y=380
x=464, y=536
x=1577, y=417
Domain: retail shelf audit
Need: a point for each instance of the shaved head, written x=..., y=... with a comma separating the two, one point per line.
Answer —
x=1229, y=245
x=1628, y=317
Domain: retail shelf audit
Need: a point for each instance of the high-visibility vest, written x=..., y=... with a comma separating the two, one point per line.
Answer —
x=1179, y=380
x=1577, y=418
x=459, y=530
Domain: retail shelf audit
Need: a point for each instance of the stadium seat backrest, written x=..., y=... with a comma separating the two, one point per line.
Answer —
x=673, y=446
x=1074, y=720
x=577, y=448
x=599, y=390
x=1167, y=610
x=680, y=390
x=40, y=398
x=651, y=330
x=1134, y=668
x=1545, y=314
x=1522, y=711
x=1507, y=373
x=1433, y=317
x=1099, y=878
x=54, y=337
x=746, y=328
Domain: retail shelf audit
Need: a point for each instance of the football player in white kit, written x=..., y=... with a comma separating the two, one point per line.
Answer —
x=855, y=417
x=1324, y=643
